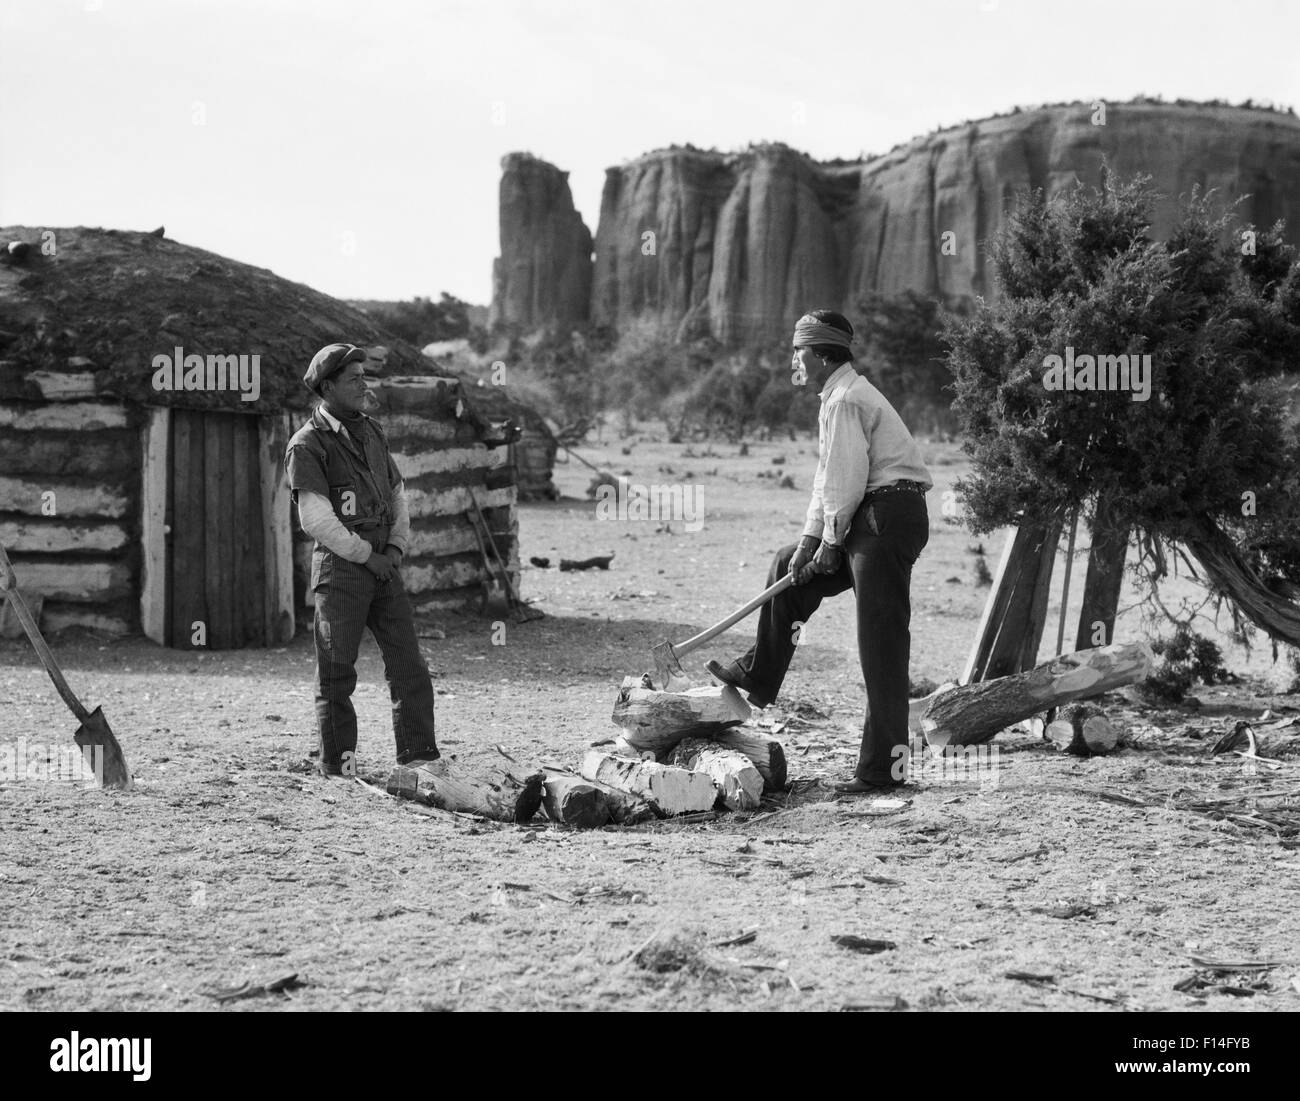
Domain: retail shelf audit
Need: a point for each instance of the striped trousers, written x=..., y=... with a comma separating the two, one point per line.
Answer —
x=350, y=598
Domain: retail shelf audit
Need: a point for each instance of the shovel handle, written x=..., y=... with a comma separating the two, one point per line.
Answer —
x=19, y=605
x=696, y=641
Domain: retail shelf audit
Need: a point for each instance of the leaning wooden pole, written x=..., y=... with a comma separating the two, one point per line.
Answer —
x=1011, y=629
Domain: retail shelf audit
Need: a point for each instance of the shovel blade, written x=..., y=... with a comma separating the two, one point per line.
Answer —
x=96, y=733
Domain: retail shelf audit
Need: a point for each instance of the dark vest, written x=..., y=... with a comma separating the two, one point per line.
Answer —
x=358, y=477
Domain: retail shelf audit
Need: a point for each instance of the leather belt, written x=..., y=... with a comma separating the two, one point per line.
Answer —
x=897, y=487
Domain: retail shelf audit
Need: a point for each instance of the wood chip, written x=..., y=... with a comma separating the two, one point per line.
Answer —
x=1042, y=850
x=869, y=945
x=1225, y=965
x=1065, y=912
x=870, y=1002
x=742, y=938
x=1029, y=976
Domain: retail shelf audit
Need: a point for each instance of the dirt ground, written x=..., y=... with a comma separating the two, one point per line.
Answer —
x=232, y=863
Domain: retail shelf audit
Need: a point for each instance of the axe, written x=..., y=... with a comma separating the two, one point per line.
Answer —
x=668, y=657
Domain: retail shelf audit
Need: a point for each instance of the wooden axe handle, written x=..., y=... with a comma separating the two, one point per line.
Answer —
x=681, y=649
x=19, y=605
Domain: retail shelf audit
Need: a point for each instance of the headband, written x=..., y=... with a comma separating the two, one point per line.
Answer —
x=809, y=331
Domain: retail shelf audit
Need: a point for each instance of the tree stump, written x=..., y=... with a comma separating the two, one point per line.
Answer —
x=667, y=789
x=740, y=785
x=766, y=753
x=974, y=713
x=1083, y=730
x=477, y=787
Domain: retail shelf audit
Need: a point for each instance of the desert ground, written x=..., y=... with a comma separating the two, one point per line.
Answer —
x=233, y=865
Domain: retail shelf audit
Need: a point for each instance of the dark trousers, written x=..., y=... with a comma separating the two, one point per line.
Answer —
x=881, y=548
x=350, y=598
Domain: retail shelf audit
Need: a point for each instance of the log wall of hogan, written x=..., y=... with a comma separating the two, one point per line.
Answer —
x=70, y=498
x=70, y=502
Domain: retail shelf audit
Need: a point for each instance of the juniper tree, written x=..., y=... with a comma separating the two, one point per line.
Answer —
x=1210, y=460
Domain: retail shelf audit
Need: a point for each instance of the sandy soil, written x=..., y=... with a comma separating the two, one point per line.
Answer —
x=232, y=862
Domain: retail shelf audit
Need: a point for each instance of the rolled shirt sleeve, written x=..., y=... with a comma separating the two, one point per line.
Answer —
x=848, y=466
x=399, y=535
x=318, y=520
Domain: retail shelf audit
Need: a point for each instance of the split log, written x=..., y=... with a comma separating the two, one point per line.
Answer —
x=599, y=562
x=485, y=788
x=655, y=721
x=574, y=801
x=740, y=785
x=625, y=809
x=1083, y=730
x=667, y=789
x=974, y=713
x=766, y=753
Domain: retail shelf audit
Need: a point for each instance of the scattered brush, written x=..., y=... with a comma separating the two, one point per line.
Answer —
x=1189, y=659
x=983, y=579
x=673, y=951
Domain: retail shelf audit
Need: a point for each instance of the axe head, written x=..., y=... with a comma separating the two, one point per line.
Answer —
x=666, y=663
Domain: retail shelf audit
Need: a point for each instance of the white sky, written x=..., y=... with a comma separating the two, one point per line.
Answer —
x=376, y=119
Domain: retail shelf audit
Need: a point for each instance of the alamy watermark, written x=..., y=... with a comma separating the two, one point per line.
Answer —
x=178, y=371
x=953, y=764
x=663, y=504
x=1105, y=372
x=48, y=763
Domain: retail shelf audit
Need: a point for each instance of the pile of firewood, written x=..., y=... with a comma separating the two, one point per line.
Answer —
x=677, y=753
x=681, y=753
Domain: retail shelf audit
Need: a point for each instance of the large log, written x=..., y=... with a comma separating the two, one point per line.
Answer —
x=66, y=499
x=669, y=790
x=485, y=788
x=766, y=753
x=1083, y=730
x=574, y=801
x=654, y=722
x=85, y=581
x=740, y=785
x=56, y=537
x=974, y=713
x=74, y=417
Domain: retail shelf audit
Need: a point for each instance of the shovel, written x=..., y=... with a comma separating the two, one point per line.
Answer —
x=94, y=730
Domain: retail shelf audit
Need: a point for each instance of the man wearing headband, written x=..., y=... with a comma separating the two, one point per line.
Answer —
x=866, y=525
x=351, y=500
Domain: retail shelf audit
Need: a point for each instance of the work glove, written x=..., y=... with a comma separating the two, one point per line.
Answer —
x=802, y=557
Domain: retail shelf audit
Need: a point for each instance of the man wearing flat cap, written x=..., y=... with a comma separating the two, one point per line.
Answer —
x=866, y=525
x=351, y=501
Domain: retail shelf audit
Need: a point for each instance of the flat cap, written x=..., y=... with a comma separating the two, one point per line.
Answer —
x=329, y=361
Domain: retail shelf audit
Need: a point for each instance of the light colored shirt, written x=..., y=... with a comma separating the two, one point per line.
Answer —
x=319, y=520
x=862, y=444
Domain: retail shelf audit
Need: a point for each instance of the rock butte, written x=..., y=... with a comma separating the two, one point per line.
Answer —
x=745, y=242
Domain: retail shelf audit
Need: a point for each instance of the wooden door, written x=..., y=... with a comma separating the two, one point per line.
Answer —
x=217, y=543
